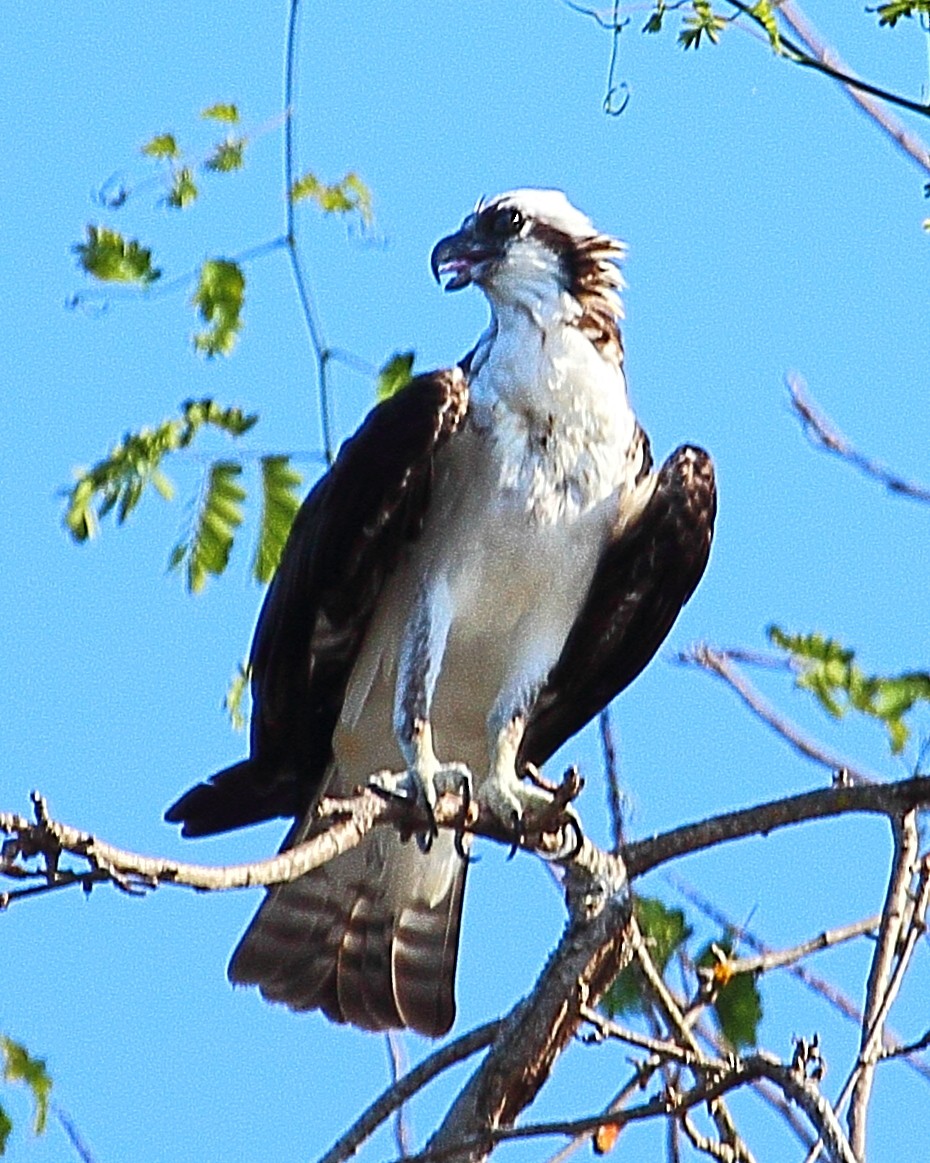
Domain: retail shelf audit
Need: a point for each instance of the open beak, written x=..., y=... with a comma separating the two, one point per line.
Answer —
x=462, y=256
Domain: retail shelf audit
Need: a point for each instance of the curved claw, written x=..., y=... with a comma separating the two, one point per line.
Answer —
x=425, y=839
x=571, y=849
x=519, y=834
x=462, y=852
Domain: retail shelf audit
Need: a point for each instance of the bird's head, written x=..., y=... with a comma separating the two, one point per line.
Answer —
x=527, y=247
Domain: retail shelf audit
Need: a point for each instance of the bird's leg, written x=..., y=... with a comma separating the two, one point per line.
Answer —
x=504, y=792
x=425, y=778
x=513, y=801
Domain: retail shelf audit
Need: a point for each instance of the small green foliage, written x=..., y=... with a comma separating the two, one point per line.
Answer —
x=654, y=23
x=6, y=1129
x=280, y=502
x=764, y=13
x=113, y=259
x=119, y=480
x=889, y=14
x=227, y=156
x=162, y=145
x=737, y=1002
x=236, y=694
x=183, y=189
x=665, y=930
x=345, y=197
x=829, y=671
x=703, y=21
x=219, y=514
x=395, y=374
x=218, y=298
x=228, y=114
x=19, y=1066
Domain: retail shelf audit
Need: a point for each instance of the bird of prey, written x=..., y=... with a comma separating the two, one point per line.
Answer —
x=490, y=559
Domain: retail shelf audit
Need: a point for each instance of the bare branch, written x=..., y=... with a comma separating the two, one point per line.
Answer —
x=719, y=663
x=884, y=981
x=780, y=958
x=819, y=985
x=836, y=67
x=740, y=1072
x=821, y=432
x=402, y=1090
x=888, y=799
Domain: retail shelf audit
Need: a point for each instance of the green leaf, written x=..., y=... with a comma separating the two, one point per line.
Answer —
x=280, y=502
x=738, y=1004
x=395, y=374
x=227, y=156
x=889, y=14
x=107, y=256
x=229, y=114
x=163, y=145
x=665, y=931
x=120, y=479
x=206, y=550
x=830, y=672
x=351, y=195
x=764, y=13
x=20, y=1067
x=6, y=1128
x=703, y=22
x=236, y=694
x=219, y=298
x=183, y=189
x=654, y=23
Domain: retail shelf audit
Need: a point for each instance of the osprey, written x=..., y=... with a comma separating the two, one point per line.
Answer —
x=490, y=559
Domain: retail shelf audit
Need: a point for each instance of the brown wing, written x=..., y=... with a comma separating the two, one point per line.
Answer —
x=346, y=539
x=642, y=581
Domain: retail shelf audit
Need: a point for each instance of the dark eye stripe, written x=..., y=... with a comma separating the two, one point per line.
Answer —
x=502, y=222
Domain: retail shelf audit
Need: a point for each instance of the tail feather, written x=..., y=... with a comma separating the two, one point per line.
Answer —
x=370, y=938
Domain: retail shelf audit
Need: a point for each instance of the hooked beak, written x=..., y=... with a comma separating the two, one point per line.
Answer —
x=462, y=256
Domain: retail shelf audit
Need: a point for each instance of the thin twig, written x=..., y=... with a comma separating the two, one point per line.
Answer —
x=823, y=433
x=831, y=66
x=398, y=1059
x=301, y=281
x=781, y=958
x=819, y=985
x=739, y=1072
x=402, y=1090
x=612, y=773
x=903, y=138
x=719, y=663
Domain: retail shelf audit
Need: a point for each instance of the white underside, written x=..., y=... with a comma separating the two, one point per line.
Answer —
x=524, y=501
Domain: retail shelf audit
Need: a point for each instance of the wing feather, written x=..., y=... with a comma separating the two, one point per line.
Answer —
x=642, y=581
x=346, y=539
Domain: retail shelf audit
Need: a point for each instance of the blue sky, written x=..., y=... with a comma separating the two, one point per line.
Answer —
x=771, y=229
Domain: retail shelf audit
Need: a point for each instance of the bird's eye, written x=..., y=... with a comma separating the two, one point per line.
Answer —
x=507, y=222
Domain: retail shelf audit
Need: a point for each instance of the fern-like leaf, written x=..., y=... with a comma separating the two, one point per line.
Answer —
x=280, y=502
x=206, y=550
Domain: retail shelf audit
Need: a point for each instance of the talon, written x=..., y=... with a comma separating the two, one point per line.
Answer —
x=518, y=828
x=459, y=838
x=572, y=847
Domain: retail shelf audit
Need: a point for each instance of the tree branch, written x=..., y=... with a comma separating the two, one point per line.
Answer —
x=884, y=980
x=822, y=433
x=397, y=1094
x=887, y=799
x=718, y=662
